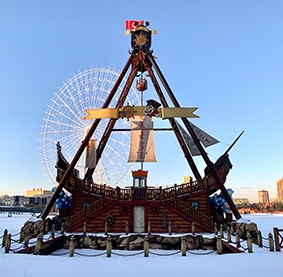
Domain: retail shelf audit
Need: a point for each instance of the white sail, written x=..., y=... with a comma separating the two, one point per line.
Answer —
x=142, y=144
x=90, y=161
x=205, y=138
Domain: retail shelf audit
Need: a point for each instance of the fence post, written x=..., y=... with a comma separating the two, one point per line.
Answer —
x=215, y=228
x=170, y=228
x=72, y=246
x=183, y=246
x=46, y=227
x=22, y=234
x=237, y=239
x=8, y=243
x=219, y=245
x=259, y=238
x=53, y=231
x=108, y=247
x=26, y=239
x=127, y=228
x=149, y=228
x=221, y=231
x=4, y=237
x=232, y=229
x=271, y=242
x=62, y=228
x=193, y=228
x=84, y=228
x=228, y=234
x=38, y=244
x=249, y=243
x=146, y=246
x=42, y=230
x=276, y=239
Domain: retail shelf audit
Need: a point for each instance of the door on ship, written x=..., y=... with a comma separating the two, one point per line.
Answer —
x=139, y=219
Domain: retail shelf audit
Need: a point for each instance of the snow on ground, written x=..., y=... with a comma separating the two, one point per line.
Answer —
x=261, y=262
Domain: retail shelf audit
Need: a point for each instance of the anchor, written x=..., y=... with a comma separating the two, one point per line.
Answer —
x=164, y=223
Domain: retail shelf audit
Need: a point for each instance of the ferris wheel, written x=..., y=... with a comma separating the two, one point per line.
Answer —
x=63, y=122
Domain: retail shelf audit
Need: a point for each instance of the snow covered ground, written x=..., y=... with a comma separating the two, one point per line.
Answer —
x=261, y=262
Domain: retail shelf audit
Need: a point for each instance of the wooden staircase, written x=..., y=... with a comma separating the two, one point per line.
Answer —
x=188, y=211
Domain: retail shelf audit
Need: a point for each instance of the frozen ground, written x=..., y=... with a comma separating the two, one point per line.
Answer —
x=261, y=262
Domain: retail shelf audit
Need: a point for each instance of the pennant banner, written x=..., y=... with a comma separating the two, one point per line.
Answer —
x=142, y=144
x=189, y=141
x=206, y=139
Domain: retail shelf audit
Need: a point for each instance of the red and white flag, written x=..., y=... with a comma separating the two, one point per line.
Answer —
x=131, y=24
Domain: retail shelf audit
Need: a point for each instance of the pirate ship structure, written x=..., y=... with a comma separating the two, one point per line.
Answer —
x=140, y=207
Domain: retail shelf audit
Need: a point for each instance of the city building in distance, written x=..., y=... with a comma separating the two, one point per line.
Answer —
x=279, y=186
x=263, y=196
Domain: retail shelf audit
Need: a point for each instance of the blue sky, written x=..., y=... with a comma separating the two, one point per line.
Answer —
x=224, y=57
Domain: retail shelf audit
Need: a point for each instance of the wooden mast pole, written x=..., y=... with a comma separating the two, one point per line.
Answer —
x=111, y=123
x=209, y=164
x=85, y=141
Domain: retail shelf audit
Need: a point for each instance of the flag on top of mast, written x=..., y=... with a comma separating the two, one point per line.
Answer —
x=131, y=24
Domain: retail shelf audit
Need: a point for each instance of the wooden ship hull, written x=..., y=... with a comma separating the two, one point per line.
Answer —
x=138, y=209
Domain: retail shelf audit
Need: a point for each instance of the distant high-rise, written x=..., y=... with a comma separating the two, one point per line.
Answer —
x=263, y=196
x=279, y=185
x=187, y=179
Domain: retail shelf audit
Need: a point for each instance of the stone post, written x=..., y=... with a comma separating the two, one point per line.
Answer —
x=4, y=237
x=215, y=228
x=249, y=243
x=221, y=231
x=237, y=239
x=127, y=228
x=271, y=242
x=170, y=228
x=183, y=246
x=193, y=228
x=219, y=245
x=108, y=247
x=149, y=228
x=229, y=234
x=84, y=228
x=8, y=243
x=259, y=238
x=106, y=229
x=146, y=246
x=72, y=246
x=38, y=244
x=53, y=231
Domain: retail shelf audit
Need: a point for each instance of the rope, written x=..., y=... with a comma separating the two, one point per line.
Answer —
x=85, y=255
x=206, y=253
x=164, y=255
x=128, y=255
x=62, y=254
